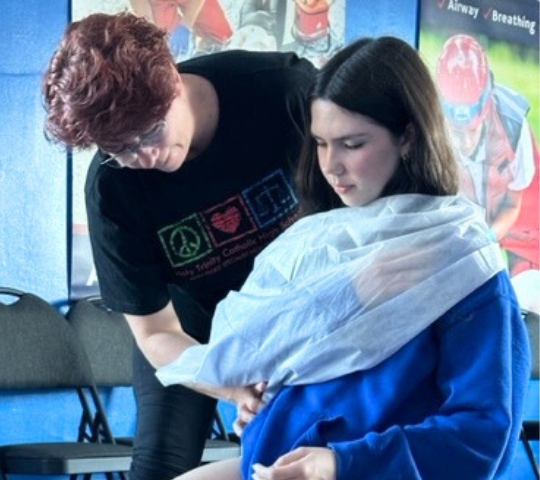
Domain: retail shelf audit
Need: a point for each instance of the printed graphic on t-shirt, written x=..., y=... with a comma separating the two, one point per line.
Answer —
x=186, y=241
x=270, y=199
x=230, y=231
x=228, y=221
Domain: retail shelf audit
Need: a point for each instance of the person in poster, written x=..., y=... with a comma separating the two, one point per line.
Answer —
x=311, y=20
x=201, y=22
x=313, y=31
x=498, y=154
x=260, y=26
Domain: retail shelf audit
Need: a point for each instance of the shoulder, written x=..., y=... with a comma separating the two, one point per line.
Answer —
x=234, y=64
x=494, y=298
x=104, y=185
x=96, y=173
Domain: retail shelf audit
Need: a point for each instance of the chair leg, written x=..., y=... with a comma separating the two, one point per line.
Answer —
x=530, y=454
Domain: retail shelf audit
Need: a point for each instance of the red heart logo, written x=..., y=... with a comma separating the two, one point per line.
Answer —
x=226, y=221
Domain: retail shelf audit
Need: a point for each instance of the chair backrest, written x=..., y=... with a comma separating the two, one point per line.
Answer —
x=532, y=321
x=107, y=339
x=109, y=344
x=38, y=348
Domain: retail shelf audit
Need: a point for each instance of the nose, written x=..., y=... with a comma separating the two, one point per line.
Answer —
x=147, y=156
x=330, y=162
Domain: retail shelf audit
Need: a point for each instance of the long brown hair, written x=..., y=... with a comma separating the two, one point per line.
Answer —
x=386, y=80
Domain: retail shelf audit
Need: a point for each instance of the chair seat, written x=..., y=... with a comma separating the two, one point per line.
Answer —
x=108, y=342
x=65, y=458
x=215, y=449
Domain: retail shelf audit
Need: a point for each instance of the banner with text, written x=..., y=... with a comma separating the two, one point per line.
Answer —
x=484, y=57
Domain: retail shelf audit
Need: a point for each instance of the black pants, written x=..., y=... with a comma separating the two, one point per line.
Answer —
x=172, y=422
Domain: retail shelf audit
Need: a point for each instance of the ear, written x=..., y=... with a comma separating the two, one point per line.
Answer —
x=407, y=140
x=179, y=83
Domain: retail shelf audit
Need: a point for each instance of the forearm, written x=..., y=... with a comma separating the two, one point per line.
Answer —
x=475, y=430
x=160, y=336
x=465, y=446
x=162, y=340
x=507, y=213
x=191, y=11
x=505, y=219
x=161, y=348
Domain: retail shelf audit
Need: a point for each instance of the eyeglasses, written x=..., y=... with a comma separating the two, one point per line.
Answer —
x=127, y=155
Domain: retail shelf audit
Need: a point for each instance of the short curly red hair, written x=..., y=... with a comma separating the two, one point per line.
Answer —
x=111, y=79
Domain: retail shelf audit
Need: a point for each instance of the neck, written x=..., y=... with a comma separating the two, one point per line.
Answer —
x=204, y=106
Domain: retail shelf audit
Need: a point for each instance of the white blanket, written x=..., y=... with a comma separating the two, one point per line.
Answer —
x=343, y=290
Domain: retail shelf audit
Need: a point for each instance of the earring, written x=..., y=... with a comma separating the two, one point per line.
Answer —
x=406, y=157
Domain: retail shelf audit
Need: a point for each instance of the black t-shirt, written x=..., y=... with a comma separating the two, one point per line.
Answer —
x=201, y=226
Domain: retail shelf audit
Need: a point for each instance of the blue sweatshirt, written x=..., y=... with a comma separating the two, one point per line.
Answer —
x=447, y=405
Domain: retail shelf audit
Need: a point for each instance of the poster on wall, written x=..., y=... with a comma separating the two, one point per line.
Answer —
x=314, y=29
x=484, y=56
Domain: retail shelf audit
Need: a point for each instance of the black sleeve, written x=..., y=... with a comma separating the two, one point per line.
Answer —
x=125, y=255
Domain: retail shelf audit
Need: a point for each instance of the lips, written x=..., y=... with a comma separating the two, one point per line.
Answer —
x=340, y=189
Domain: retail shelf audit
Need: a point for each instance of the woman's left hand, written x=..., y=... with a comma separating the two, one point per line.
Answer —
x=304, y=463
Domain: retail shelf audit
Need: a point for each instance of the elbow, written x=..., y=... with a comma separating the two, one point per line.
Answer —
x=493, y=438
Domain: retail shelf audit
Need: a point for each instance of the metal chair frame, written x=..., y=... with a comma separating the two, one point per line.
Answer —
x=44, y=353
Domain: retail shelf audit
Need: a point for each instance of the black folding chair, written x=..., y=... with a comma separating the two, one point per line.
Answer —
x=530, y=430
x=40, y=351
x=109, y=342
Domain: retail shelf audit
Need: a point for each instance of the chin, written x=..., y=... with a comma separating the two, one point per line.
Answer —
x=357, y=202
x=167, y=167
x=348, y=202
x=172, y=165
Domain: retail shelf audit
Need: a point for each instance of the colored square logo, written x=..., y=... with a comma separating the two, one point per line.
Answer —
x=228, y=221
x=185, y=241
x=271, y=199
